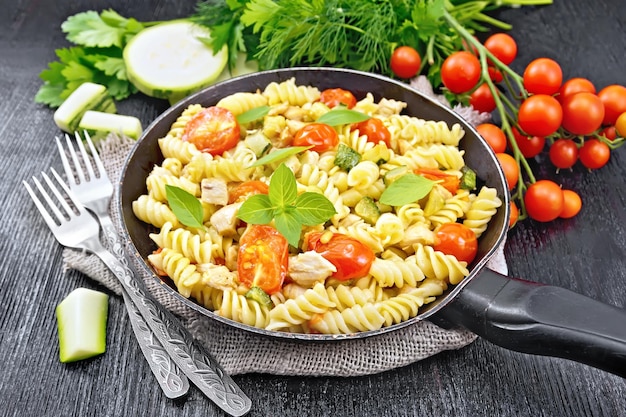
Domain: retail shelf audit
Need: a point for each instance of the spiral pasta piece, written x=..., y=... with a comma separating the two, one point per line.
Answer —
x=185, y=242
x=396, y=272
x=454, y=208
x=179, y=268
x=288, y=92
x=300, y=309
x=156, y=186
x=243, y=310
x=482, y=209
x=152, y=211
x=436, y=264
x=344, y=296
x=241, y=102
x=354, y=319
x=406, y=305
x=178, y=127
x=173, y=147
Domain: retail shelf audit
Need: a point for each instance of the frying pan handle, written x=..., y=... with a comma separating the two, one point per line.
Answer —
x=540, y=319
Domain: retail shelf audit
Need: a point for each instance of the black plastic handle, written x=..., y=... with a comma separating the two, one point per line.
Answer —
x=540, y=319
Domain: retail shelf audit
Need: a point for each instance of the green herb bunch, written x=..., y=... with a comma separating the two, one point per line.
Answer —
x=358, y=34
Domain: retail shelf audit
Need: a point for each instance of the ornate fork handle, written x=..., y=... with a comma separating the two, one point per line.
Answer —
x=204, y=371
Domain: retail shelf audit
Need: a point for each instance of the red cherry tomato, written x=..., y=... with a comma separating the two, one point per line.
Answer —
x=614, y=99
x=575, y=85
x=543, y=76
x=460, y=72
x=351, y=257
x=245, y=189
x=510, y=168
x=571, y=204
x=582, y=113
x=448, y=181
x=594, y=154
x=457, y=240
x=482, y=99
x=495, y=75
x=540, y=115
x=334, y=97
x=619, y=128
x=563, y=153
x=544, y=200
x=405, y=62
x=212, y=130
x=502, y=46
x=514, y=215
x=528, y=146
x=319, y=135
x=375, y=130
x=262, y=259
x=494, y=136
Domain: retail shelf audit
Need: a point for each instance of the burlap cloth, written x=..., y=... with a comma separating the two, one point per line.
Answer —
x=242, y=352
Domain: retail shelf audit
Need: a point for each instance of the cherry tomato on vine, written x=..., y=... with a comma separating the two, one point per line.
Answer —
x=245, y=189
x=502, y=46
x=319, y=135
x=351, y=257
x=482, y=100
x=575, y=85
x=614, y=99
x=543, y=76
x=563, y=153
x=620, y=126
x=333, y=97
x=212, y=130
x=529, y=146
x=457, y=240
x=594, y=154
x=540, y=115
x=609, y=132
x=582, y=113
x=514, y=215
x=494, y=136
x=375, y=130
x=460, y=72
x=495, y=75
x=544, y=200
x=510, y=168
x=263, y=256
x=571, y=204
x=405, y=62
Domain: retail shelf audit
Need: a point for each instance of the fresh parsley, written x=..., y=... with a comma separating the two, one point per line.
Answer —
x=285, y=207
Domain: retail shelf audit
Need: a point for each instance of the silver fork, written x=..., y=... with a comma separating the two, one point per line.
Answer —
x=94, y=192
x=74, y=227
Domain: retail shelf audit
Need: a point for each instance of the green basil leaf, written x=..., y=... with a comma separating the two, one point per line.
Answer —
x=406, y=189
x=279, y=154
x=313, y=209
x=287, y=224
x=253, y=114
x=342, y=117
x=283, y=189
x=186, y=207
x=257, y=209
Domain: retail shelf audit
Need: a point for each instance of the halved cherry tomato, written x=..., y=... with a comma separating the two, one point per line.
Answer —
x=351, y=257
x=447, y=181
x=263, y=258
x=246, y=189
x=375, y=131
x=212, y=130
x=319, y=135
x=457, y=240
x=334, y=97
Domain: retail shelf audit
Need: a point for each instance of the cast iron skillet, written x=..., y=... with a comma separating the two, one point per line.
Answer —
x=516, y=314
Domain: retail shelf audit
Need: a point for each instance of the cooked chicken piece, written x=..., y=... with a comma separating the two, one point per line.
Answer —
x=214, y=191
x=417, y=233
x=225, y=219
x=296, y=113
x=217, y=276
x=309, y=268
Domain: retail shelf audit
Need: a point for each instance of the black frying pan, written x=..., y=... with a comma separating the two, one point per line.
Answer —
x=516, y=314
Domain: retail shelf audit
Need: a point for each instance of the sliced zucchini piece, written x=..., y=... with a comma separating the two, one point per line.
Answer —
x=346, y=157
x=394, y=174
x=81, y=321
x=258, y=143
x=99, y=124
x=468, y=178
x=88, y=96
x=257, y=294
x=170, y=60
x=367, y=209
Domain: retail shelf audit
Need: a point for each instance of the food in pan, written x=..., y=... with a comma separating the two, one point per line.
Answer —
x=403, y=211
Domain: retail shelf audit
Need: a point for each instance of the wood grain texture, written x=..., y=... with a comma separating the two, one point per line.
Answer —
x=586, y=254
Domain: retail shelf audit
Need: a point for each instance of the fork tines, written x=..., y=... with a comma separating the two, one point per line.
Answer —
x=79, y=163
x=61, y=207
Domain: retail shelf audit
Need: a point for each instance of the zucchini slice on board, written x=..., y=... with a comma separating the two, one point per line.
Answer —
x=82, y=322
x=170, y=61
x=99, y=124
x=88, y=96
